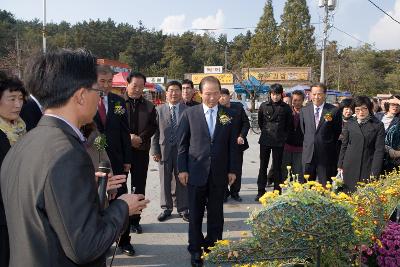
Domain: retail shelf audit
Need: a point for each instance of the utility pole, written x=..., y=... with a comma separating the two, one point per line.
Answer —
x=44, y=27
x=328, y=5
x=18, y=55
x=226, y=58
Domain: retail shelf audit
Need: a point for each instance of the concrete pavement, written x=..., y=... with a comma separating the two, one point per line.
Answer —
x=164, y=243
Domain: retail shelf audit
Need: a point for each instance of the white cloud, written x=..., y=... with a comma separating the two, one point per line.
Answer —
x=210, y=22
x=386, y=32
x=173, y=24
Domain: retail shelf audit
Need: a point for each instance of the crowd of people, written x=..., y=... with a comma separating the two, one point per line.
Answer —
x=50, y=123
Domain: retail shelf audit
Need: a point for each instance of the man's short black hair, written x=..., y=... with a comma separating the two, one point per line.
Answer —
x=346, y=103
x=276, y=88
x=11, y=83
x=187, y=81
x=210, y=79
x=54, y=77
x=225, y=91
x=320, y=85
x=135, y=74
x=299, y=93
x=170, y=83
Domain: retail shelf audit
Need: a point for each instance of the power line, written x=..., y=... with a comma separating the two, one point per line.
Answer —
x=384, y=11
x=351, y=36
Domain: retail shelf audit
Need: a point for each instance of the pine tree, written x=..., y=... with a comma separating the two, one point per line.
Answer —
x=264, y=43
x=296, y=34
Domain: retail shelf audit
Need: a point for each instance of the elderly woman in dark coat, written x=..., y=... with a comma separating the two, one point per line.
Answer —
x=363, y=145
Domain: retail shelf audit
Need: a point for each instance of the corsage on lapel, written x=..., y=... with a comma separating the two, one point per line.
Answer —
x=224, y=119
x=119, y=109
x=328, y=116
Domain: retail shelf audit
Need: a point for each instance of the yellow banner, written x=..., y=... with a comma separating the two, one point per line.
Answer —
x=224, y=78
x=279, y=75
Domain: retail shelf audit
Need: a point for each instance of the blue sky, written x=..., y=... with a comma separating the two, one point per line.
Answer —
x=356, y=17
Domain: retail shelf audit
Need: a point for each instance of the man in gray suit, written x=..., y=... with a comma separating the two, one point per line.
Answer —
x=48, y=180
x=164, y=151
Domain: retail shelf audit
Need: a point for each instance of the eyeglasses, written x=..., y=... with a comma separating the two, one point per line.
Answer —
x=98, y=91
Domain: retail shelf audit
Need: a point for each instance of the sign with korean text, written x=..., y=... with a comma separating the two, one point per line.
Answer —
x=279, y=74
x=212, y=69
x=159, y=80
x=224, y=78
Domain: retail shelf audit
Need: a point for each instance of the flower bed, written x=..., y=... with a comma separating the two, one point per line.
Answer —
x=309, y=221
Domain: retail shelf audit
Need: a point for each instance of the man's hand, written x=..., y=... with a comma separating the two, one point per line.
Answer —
x=231, y=178
x=115, y=182
x=136, y=141
x=183, y=177
x=240, y=140
x=157, y=157
x=127, y=167
x=136, y=203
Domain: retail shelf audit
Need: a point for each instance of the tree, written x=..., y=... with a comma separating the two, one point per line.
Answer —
x=296, y=34
x=237, y=48
x=264, y=43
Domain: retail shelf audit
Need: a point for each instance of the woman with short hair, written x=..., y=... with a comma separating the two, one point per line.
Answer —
x=363, y=145
x=12, y=127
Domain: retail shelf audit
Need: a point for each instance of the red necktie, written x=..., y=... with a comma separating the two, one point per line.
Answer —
x=102, y=111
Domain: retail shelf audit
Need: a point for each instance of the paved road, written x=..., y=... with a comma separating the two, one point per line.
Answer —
x=164, y=243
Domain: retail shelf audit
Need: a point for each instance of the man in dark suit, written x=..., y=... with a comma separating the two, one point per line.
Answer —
x=31, y=112
x=142, y=119
x=207, y=162
x=243, y=126
x=188, y=93
x=321, y=124
x=112, y=121
x=165, y=151
x=48, y=180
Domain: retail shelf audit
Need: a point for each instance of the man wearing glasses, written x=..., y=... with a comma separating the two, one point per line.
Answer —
x=112, y=121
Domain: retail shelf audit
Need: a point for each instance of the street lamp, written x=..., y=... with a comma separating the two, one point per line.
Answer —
x=328, y=5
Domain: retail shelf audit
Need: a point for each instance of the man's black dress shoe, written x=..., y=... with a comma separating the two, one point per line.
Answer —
x=164, y=215
x=196, y=259
x=258, y=197
x=236, y=197
x=185, y=216
x=127, y=249
x=137, y=228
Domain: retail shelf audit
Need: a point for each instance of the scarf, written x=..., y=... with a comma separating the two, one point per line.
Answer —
x=364, y=121
x=13, y=130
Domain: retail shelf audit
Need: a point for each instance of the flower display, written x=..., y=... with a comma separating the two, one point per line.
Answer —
x=309, y=217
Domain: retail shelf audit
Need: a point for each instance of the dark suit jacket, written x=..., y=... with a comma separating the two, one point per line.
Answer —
x=320, y=141
x=30, y=113
x=242, y=122
x=117, y=134
x=160, y=143
x=395, y=120
x=362, y=151
x=51, y=201
x=4, y=147
x=203, y=156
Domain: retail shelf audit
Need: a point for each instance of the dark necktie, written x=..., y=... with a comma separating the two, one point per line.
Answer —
x=102, y=111
x=173, y=124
